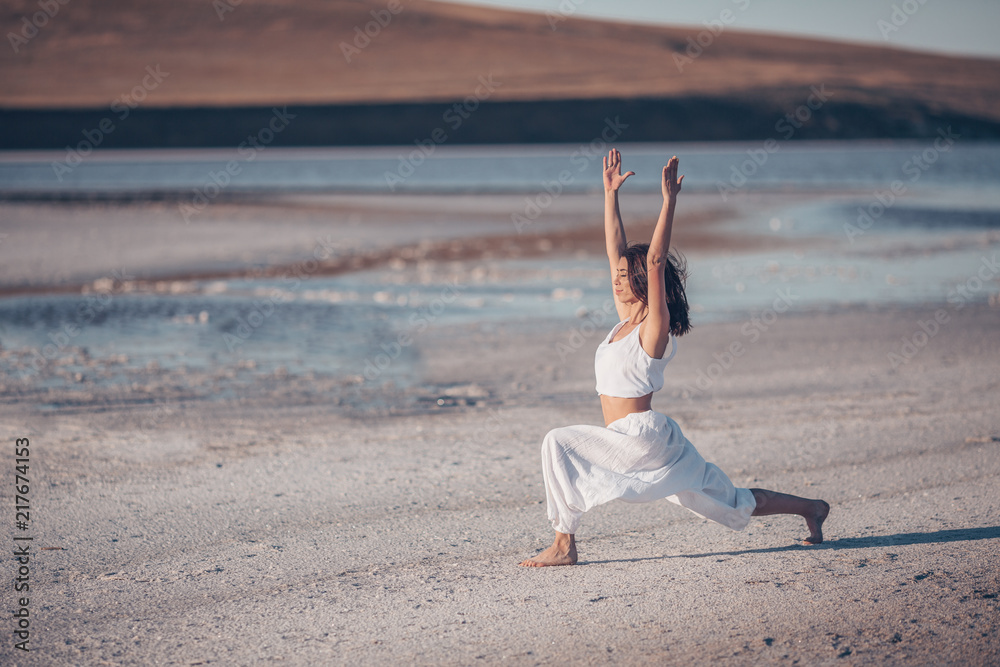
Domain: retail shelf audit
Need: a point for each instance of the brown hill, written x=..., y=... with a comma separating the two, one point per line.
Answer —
x=91, y=52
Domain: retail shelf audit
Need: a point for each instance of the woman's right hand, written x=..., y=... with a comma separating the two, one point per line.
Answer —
x=613, y=177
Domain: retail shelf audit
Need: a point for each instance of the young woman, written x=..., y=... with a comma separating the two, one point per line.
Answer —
x=641, y=455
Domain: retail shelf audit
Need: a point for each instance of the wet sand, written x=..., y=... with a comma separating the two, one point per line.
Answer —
x=65, y=246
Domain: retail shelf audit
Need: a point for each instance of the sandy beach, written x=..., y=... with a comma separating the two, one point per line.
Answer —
x=230, y=516
x=265, y=529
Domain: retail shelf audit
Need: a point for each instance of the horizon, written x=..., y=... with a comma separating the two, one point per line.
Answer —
x=917, y=26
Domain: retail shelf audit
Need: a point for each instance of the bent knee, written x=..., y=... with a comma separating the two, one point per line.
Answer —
x=555, y=435
x=553, y=440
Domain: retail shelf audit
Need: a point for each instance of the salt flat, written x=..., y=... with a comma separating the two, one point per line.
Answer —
x=274, y=528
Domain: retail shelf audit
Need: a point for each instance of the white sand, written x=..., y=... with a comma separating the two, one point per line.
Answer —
x=282, y=528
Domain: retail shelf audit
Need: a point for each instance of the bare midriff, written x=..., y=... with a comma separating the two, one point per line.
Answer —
x=616, y=407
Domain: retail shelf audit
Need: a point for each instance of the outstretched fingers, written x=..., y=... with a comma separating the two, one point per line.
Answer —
x=671, y=184
x=613, y=177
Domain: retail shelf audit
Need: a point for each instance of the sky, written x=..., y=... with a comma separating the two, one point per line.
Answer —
x=962, y=27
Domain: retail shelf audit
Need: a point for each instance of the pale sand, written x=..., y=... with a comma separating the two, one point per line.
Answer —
x=281, y=528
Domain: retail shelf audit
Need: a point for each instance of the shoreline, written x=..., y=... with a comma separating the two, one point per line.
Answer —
x=436, y=378
x=150, y=240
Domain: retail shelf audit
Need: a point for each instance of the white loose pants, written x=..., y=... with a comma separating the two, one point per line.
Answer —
x=638, y=458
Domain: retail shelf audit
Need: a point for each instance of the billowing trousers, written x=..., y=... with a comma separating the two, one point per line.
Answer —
x=638, y=458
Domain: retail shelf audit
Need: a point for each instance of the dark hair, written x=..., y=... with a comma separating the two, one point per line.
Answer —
x=674, y=276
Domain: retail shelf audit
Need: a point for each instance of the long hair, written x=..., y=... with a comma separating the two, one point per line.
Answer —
x=674, y=277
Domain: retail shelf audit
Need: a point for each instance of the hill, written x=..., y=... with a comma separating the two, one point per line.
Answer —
x=417, y=55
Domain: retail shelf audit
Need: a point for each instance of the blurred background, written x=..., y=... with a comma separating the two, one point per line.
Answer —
x=204, y=198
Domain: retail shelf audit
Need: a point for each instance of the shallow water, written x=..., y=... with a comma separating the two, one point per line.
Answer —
x=338, y=325
x=935, y=241
x=832, y=165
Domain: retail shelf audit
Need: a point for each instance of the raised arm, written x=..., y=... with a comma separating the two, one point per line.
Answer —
x=660, y=243
x=614, y=230
x=658, y=328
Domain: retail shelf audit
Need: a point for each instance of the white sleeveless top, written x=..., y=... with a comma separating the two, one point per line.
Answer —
x=625, y=370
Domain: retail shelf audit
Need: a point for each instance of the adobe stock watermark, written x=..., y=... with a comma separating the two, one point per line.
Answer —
x=453, y=117
x=151, y=420
x=493, y=422
x=786, y=126
x=579, y=335
x=899, y=17
x=262, y=309
x=217, y=181
x=363, y=35
x=565, y=9
x=751, y=330
x=914, y=168
x=121, y=107
x=713, y=28
x=92, y=305
x=958, y=297
x=30, y=26
x=581, y=159
x=417, y=323
x=223, y=7
x=966, y=291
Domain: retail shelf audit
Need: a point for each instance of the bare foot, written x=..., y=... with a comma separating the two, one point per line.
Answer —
x=815, y=522
x=562, y=552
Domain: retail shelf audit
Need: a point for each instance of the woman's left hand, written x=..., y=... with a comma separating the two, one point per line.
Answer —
x=613, y=177
x=671, y=185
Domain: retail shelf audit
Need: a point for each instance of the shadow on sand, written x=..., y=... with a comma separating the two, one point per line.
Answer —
x=899, y=539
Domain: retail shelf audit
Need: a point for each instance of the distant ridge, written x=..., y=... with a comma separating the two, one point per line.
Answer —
x=216, y=77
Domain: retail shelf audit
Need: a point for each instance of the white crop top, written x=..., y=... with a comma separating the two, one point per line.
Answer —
x=625, y=370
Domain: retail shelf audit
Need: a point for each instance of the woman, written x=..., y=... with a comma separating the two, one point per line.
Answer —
x=642, y=455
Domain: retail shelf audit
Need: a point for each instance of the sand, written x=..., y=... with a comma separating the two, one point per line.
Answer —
x=272, y=528
x=227, y=516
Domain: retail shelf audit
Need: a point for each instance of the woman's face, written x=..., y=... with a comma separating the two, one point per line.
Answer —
x=623, y=289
